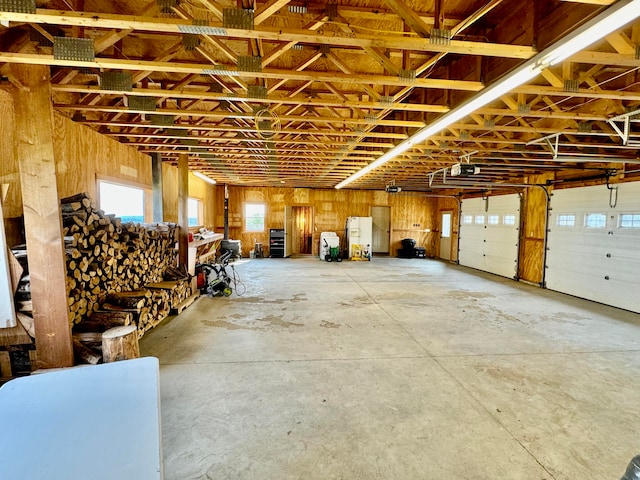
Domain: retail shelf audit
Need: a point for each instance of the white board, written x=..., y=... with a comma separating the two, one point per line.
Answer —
x=489, y=234
x=100, y=422
x=600, y=263
x=7, y=311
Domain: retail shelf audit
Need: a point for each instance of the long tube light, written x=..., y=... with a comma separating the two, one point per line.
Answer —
x=205, y=178
x=612, y=19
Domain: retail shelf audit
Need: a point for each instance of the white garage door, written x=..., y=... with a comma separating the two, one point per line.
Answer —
x=489, y=234
x=594, y=244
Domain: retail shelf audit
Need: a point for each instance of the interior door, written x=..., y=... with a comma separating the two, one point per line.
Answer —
x=288, y=230
x=380, y=229
x=445, y=236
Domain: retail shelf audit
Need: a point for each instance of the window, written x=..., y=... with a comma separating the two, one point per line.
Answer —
x=254, y=217
x=630, y=220
x=494, y=219
x=480, y=219
x=446, y=225
x=509, y=219
x=195, y=212
x=595, y=220
x=566, y=220
x=122, y=200
x=467, y=219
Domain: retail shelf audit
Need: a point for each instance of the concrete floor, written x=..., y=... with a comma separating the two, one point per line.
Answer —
x=396, y=369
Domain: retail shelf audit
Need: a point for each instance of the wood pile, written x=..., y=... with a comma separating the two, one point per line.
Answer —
x=105, y=257
x=118, y=274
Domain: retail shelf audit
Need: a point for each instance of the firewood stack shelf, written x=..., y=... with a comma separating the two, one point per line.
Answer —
x=117, y=274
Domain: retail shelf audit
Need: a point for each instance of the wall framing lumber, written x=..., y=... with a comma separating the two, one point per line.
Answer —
x=43, y=226
x=183, y=208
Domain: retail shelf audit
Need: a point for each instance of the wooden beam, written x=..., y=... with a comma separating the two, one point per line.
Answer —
x=592, y=2
x=176, y=26
x=223, y=115
x=156, y=186
x=43, y=226
x=267, y=10
x=410, y=17
x=199, y=94
x=621, y=43
x=183, y=209
x=205, y=69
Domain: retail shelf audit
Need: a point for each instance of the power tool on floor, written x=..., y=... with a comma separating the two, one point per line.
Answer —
x=217, y=280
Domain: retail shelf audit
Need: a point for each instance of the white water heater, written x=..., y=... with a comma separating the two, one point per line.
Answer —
x=359, y=237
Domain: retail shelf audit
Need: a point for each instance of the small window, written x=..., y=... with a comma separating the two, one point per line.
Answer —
x=630, y=220
x=566, y=220
x=480, y=219
x=446, y=225
x=122, y=200
x=467, y=219
x=254, y=217
x=509, y=219
x=195, y=212
x=494, y=219
x=595, y=220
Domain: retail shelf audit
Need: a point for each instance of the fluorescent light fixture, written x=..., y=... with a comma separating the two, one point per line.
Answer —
x=612, y=19
x=205, y=177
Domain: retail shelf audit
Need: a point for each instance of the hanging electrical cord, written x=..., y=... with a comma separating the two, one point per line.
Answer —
x=235, y=281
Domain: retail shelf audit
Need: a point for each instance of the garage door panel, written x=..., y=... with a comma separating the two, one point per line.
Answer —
x=491, y=247
x=600, y=263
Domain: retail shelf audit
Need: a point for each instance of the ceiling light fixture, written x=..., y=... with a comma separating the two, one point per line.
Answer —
x=205, y=178
x=612, y=19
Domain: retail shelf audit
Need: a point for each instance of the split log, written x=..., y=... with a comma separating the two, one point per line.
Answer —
x=84, y=353
x=120, y=343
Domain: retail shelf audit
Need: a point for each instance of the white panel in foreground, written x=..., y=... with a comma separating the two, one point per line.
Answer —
x=100, y=422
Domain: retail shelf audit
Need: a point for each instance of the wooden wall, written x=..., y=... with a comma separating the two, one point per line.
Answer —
x=410, y=214
x=198, y=188
x=82, y=155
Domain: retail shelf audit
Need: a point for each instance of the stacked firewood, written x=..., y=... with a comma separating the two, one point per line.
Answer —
x=105, y=257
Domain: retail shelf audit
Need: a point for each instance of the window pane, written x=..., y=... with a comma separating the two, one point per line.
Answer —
x=630, y=220
x=194, y=212
x=254, y=217
x=509, y=219
x=566, y=220
x=595, y=220
x=494, y=219
x=467, y=219
x=446, y=225
x=480, y=219
x=124, y=201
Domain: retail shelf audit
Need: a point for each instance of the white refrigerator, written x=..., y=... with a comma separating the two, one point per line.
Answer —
x=359, y=237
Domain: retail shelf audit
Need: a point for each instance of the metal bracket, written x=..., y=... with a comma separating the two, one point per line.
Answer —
x=551, y=141
x=440, y=36
x=257, y=91
x=20, y=6
x=466, y=157
x=77, y=49
x=625, y=132
x=250, y=63
x=117, y=81
x=241, y=18
x=145, y=104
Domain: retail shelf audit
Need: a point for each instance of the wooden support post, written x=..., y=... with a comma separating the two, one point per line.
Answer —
x=183, y=209
x=156, y=173
x=43, y=225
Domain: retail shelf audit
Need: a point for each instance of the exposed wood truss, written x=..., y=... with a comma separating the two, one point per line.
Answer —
x=308, y=93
